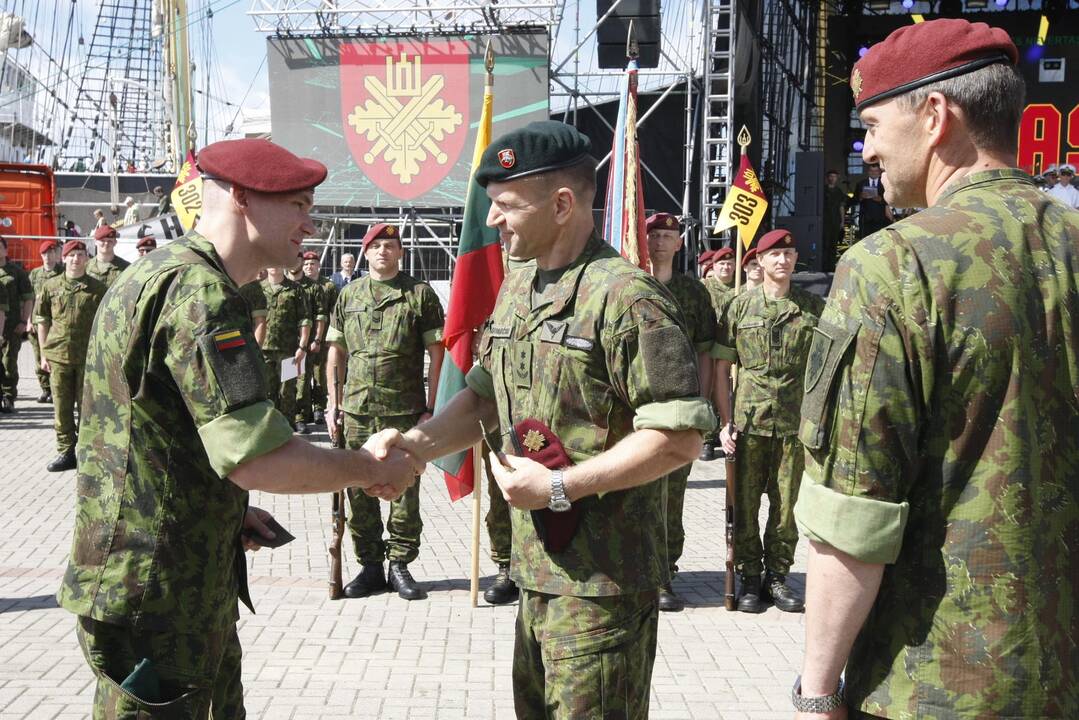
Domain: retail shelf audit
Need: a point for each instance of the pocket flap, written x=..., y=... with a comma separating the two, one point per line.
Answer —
x=830, y=344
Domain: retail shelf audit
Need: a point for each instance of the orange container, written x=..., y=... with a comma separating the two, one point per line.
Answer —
x=27, y=208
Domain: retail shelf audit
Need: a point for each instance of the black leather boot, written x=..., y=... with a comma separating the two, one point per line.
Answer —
x=669, y=601
x=372, y=579
x=63, y=461
x=503, y=590
x=784, y=598
x=402, y=581
x=44, y=397
x=751, y=601
x=708, y=451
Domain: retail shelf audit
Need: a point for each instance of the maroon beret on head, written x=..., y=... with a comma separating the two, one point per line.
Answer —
x=72, y=245
x=310, y=255
x=750, y=255
x=916, y=55
x=662, y=221
x=722, y=254
x=46, y=245
x=104, y=231
x=382, y=230
x=705, y=258
x=147, y=241
x=773, y=240
x=259, y=165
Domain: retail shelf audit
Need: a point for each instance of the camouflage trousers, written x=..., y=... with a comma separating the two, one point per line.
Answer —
x=10, y=359
x=199, y=673
x=498, y=517
x=770, y=465
x=304, y=408
x=318, y=389
x=676, y=531
x=282, y=394
x=365, y=522
x=65, y=381
x=586, y=658
x=42, y=376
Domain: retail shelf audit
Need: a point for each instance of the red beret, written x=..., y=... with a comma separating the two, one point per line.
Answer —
x=750, y=255
x=105, y=231
x=722, y=254
x=72, y=245
x=924, y=53
x=705, y=258
x=382, y=230
x=661, y=221
x=259, y=165
x=310, y=255
x=773, y=240
x=146, y=241
x=46, y=245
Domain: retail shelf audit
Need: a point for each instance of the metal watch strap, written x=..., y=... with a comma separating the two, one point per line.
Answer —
x=819, y=704
x=558, y=490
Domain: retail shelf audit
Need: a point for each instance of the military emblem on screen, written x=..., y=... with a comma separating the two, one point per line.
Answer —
x=406, y=118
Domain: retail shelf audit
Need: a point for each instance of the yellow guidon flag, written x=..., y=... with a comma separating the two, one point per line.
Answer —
x=187, y=194
x=745, y=205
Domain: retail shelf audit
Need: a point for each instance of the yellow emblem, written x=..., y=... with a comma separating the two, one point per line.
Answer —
x=534, y=440
x=405, y=119
x=751, y=181
x=856, y=83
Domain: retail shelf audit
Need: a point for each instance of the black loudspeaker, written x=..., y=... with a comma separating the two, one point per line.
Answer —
x=612, y=32
x=808, y=183
x=807, y=233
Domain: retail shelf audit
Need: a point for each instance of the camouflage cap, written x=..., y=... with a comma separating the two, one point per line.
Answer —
x=536, y=148
x=382, y=230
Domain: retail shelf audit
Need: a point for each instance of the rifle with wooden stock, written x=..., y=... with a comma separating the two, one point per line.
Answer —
x=337, y=438
x=730, y=598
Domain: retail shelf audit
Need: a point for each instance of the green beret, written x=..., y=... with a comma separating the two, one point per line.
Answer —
x=538, y=147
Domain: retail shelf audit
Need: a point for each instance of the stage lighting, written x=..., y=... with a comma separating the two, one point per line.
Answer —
x=857, y=146
x=908, y=4
x=1001, y=3
x=862, y=51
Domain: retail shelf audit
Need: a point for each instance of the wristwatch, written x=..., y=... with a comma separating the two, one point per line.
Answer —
x=559, y=502
x=819, y=704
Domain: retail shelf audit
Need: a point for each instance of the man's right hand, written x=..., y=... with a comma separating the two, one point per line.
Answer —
x=395, y=471
x=728, y=438
x=45, y=365
x=333, y=422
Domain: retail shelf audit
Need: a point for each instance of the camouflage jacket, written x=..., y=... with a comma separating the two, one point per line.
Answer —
x=329, y=295
x=106, y=272
x=940, y=420
x=15, y=288
x=769, y=339
x=600, y=353
x=316, y=301
x=68, y=306
x=695, y=303
x=386, y=327
x=39, y=275
x=720, y=295
x=254, y=297
x=286, y=313
x=174, y=399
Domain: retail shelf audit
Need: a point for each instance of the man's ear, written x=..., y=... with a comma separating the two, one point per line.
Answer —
x=565, y=203
x=239, y=196
x=937, y=118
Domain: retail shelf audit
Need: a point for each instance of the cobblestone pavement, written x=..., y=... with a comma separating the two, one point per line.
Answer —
x=306, y=656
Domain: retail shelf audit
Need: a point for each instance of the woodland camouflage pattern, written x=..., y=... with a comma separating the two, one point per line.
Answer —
x=286, y=314
x=944, y=375
x=68, y=305
x=15, y=283
x=106, y=272
x=316, y=310
x=256, y=301
x=38, y=276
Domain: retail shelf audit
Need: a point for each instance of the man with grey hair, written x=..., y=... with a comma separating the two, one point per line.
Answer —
x=942, y=467
x=346, y=274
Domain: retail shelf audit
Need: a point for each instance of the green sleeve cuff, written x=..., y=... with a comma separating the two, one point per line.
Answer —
x=259, y=313
x=323, y=317
x=306, y=322
x=37, y=319
x=244, y=434
x=867, y=529
x=722, y=352
x=683, y=414
x=704, y=347
x=333, y=335
x=479, y=380
x=432, y=336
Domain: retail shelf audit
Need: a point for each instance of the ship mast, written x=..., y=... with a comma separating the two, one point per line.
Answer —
x=179, y=93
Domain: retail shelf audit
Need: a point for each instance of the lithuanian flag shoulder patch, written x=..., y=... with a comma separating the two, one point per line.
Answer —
x=228, y=340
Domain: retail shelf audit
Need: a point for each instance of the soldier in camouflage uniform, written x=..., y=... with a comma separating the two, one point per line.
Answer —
x=317, y=315
x=721, y=269
x=664, y=242
x=65, y=314
x=288, y=332
x=256, y=302
x=381, y=326
x=15, y=284
x=940, y=492
x=593, y=348
x=176, y=430
x=754, y=272
x=720, y=296
x=329, y=299
x=766, y=331
x=50, y=267
x=106, y=266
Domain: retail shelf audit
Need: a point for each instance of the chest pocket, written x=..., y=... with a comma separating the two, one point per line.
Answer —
x=357, y=319
x=753, y=343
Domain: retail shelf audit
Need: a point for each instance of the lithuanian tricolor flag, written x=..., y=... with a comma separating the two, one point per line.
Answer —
x=477, y=276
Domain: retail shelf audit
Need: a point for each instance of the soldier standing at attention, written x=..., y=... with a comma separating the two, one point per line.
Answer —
x=589, y=353
x=106, y=266
x=65, y=314
x=146, y=245
x=664, y=242
x=754, y=272
x=316, y=314
x=176, y=429
x=940, y=411
x=767, y=332
x=381, y=325
x=288, y=332
x=50, y=267
x=329, y=299
x=721, y=296
x=723, y=267
x=256, y=302
x=15, y=283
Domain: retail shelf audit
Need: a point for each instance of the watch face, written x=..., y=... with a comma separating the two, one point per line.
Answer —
x=559, y=505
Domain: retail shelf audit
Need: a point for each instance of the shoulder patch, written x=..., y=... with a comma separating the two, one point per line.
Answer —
x=237, y=365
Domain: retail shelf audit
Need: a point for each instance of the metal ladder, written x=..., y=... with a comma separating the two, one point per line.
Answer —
x=718, y=132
